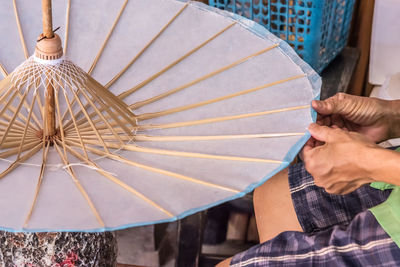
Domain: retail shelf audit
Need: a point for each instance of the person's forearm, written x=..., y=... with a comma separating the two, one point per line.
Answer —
x=394, y=118
x=384, y=166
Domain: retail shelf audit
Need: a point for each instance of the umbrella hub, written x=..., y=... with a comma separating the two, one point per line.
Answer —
x=49, y=48
x=49, y=139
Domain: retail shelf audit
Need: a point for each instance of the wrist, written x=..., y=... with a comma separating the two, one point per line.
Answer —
x=393, y=111
x=383, y=165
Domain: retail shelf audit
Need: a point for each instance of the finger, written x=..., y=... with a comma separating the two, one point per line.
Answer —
x=310, y=144
x=321, y=133
x=333, y=105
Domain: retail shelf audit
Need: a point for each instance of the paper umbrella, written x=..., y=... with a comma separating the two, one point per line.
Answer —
x=139, y=112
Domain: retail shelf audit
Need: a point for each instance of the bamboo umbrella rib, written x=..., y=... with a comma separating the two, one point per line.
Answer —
x=120, y=183
x=6, y=95
x=103, y=119
x=4, y=137
x=101, y=129
x=108, y=137
x=112, y=102
x=14, y=151
x=155, y=170
x=17, y=142
x=116, y=77
x=109, y=98
x=23, y=158
x=8, y=102
x=115, y=121
x=71, y=103
x=21, y=35
x=93, y=137
x=90, y=121
x=149, y=138
x=135, y=148
x=79, y=186
x=67, y=20
x=197, y=155
x=143, y=138
x=106, y=108
x=147, y=116
x=207, y=76
x=14, y=131
x=13, y=134
x=182, y=138
x=39, y=183
x=3, y=70
x=5, y=73
x=21, y=124
x=57, y=104
x=174, y=63
x=107, y=37
x=25, y=103
x=6, y=83
x=217, y=119
x=41, y=108
x=65, y=159
x=27, y=125
x=18, y=126
x=75, y=125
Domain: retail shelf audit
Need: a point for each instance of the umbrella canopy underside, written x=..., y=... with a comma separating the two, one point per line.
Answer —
x=214, y=105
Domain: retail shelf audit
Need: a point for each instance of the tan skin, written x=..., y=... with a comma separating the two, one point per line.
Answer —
x=341, y=155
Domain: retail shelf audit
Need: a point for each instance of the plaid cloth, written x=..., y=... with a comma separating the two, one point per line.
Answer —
x=338, y=230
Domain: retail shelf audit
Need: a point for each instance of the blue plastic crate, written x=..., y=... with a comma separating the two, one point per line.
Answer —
x=316, y=29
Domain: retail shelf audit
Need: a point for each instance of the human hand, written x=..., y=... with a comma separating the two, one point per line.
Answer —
x=375, y=118
x=343, y=163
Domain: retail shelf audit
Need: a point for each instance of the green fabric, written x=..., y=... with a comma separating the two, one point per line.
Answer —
x=388, y=213
x=382, y=186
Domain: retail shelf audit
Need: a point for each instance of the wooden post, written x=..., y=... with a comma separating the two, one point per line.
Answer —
x=50, y=115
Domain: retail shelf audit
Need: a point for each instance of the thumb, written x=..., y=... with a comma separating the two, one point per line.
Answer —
x=333, y=105
x=321, y=133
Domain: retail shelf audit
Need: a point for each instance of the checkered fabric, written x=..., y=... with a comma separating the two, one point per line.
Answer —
x=338, y=230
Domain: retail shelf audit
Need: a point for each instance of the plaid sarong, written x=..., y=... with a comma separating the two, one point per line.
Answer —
x=338, y=230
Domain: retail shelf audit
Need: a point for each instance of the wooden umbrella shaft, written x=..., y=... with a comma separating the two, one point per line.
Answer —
x=50, y=116
x=47, y=19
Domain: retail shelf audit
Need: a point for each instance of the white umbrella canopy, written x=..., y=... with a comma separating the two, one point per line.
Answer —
x=205, y=106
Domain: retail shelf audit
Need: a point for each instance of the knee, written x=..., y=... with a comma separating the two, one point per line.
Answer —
x=224, y=263
x=272, y=190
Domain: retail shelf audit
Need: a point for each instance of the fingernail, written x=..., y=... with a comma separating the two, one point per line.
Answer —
x=316, y=104
x=311, y=126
